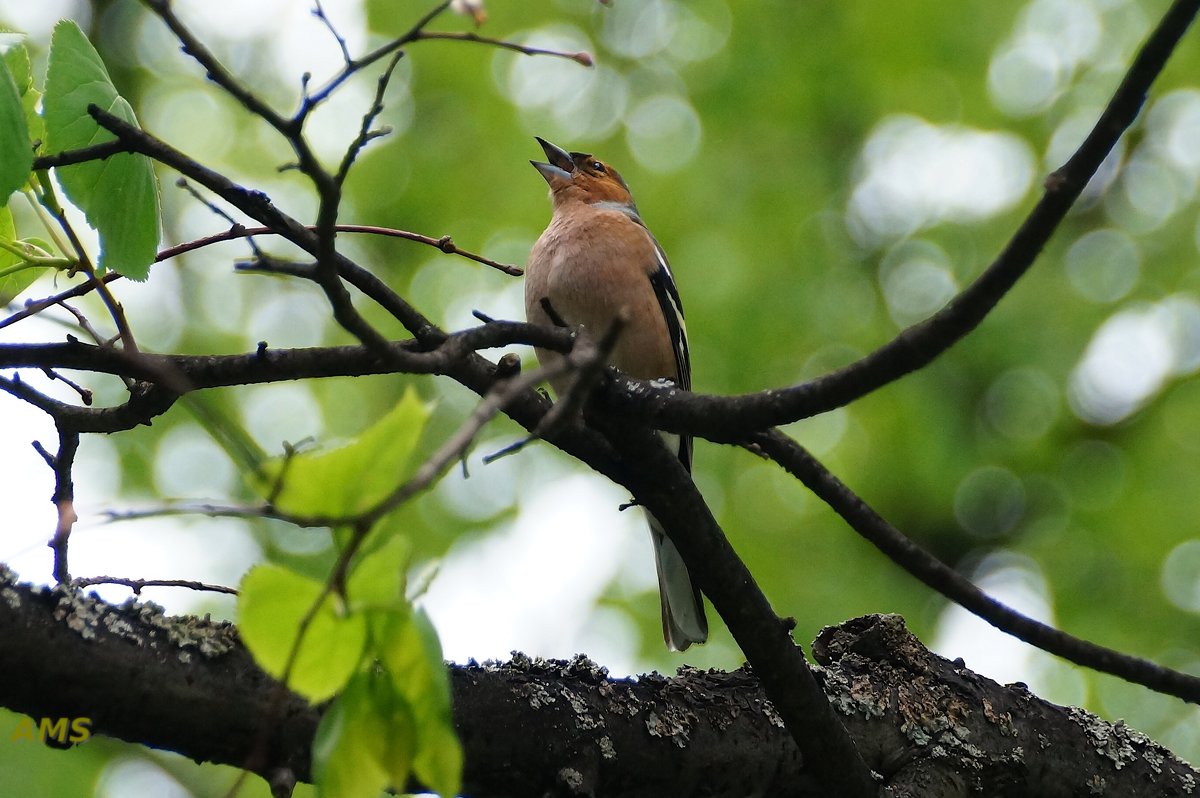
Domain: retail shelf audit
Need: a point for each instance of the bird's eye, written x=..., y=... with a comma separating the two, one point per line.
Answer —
x=599, y=167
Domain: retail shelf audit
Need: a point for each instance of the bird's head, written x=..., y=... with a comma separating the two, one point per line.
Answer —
x=580, y=177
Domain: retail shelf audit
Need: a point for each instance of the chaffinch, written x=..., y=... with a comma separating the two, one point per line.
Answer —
x=596, y=260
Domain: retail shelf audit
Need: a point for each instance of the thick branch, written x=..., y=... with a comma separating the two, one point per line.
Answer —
x=928, y=726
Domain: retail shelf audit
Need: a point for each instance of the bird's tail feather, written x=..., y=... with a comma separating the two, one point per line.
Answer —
x=683, y=617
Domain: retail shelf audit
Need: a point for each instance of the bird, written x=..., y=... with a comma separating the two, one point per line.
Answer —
x=596, y=262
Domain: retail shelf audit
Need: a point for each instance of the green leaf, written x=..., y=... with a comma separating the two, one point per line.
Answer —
x=33, y=120
x=16, y=56
x=378, y=578
x=365, y=740
x=439, y=760
x=16, y=151
x=272, y=602
x=119, y=194
x=353, y=478
x=409, y=648
x=346, y=749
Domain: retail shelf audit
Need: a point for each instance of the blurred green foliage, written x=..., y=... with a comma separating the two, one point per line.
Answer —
x=821, y=175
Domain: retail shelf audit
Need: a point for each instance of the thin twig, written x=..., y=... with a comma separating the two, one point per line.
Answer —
x=115, y=310
x=96, y=152
x=581, y=57
x=365, y=133
x=258, y=206
x=204, y=509
x=215, y=71
x=85, y=395
x=32, y=308
x=732, y=418
x=319, y=13
x=64, y=497
x=358, y=64
x=444, y=244
x=85, y=324
x=906, y=553
x=137, y=585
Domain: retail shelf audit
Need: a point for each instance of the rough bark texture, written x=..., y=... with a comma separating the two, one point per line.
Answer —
x=928, y=726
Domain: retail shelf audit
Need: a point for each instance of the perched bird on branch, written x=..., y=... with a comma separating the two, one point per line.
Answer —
x=597, y=262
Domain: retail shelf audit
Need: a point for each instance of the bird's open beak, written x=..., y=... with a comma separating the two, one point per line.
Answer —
x=560, y=166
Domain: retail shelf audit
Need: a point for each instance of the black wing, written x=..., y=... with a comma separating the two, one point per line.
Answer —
x=672, y=310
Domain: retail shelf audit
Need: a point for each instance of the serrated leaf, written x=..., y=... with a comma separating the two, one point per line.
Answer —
x=272, y=602
x=119, y=195
x=16, y=151
x=353, y=478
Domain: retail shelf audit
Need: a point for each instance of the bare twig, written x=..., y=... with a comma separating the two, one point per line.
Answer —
x=137, y=585
x=110, y=302
x=582, y=58
x=214, y=69
x=445, y=243
x=906, y=553
x=319, y=13
x=358, y=64
x=731, y=419
x=192, y=509
x=63, y=498
x=85, y=324
x=258, y=206
x=365, y=132
x=32, y=308
x=85, y=395
x=96, y=152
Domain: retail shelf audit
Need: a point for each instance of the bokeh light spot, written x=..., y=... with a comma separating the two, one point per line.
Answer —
x=663, y=133
x=1103, y=265
x=1022, y=404
x=281, y=412
x=1025, y=78
x=1125, y=363
x=916, y=280
x=915, y=175
x=1181, y=576
x=702, y=29
x=188, y=464
x=639, y=30
x=989, y=501
x=1131, y=356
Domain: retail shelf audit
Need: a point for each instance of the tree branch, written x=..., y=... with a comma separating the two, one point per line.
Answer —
x=660, y=483
x=730, y=418
x=931, y=728
x=928, y=569
x=258, y=206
